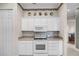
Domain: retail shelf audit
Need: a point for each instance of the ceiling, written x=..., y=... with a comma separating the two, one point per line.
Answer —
x=71, y=10
x=71, y=7
x=39, y=5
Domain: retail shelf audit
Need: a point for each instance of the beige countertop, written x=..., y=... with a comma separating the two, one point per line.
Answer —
x=54, y=38
x=31, y=38
x=26, y=38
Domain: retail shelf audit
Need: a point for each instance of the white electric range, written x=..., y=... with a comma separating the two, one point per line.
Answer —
x=40, y=43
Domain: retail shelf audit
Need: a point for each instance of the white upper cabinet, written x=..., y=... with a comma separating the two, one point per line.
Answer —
x=27, y=24
x=37, y=23
x=40, y=24
x=34, y=24
x=53, y=24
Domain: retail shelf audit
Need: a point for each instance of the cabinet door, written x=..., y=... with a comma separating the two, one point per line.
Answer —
x=61, y=47
x=53, y=48
x=25, y=48
x=53, y=24
x=40, y=23
x=40, y=54
x=27, y=24
x=50, y=26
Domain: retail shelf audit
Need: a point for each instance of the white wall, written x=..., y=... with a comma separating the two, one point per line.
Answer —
x=63, y=24
x=19, y=20
x=17, y=25
x=71, y=25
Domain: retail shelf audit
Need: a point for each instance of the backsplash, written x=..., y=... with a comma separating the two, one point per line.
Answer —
x=53, y=34
x=40, y=34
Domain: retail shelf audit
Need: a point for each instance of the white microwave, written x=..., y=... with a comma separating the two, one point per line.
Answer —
x=40, y=35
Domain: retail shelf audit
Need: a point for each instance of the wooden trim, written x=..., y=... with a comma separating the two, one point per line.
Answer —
x=59, y=6
x=38, y=9
x=20, y=6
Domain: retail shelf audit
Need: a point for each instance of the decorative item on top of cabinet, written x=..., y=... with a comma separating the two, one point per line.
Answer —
x=29, y=13
x=45, y=14
x=40, y=13
x=35, y=14
x=51, y=13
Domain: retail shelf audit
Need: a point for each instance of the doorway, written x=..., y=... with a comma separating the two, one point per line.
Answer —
x=71, y=31
x=71, y=21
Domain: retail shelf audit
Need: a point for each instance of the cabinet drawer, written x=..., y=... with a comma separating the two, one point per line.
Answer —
x=40, y=54
x=53, y=41
x=54, y=52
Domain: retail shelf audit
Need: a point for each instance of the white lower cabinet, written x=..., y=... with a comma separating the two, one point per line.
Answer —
x=54, y=48
x=25, y=48
x=61, y=48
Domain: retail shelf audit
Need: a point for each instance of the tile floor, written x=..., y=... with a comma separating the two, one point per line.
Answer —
x=72, y=51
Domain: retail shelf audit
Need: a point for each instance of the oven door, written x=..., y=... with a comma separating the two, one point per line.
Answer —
x=40, y=46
